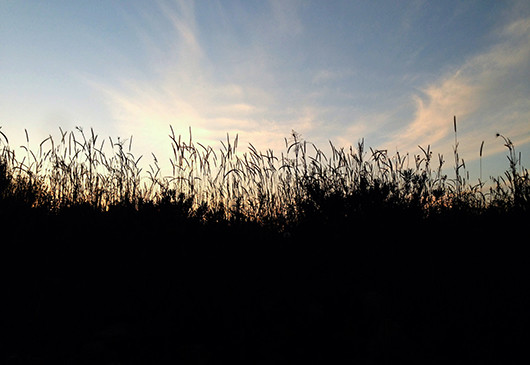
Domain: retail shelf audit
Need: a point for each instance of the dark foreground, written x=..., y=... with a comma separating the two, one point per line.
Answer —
x=130, y=289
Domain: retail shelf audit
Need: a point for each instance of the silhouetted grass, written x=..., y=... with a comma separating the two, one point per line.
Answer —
x=273, y=190
x=247, y=257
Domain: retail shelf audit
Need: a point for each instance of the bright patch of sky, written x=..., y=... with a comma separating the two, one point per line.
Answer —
x=392, y=72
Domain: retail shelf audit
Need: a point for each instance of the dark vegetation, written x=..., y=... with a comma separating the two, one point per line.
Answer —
x=352, y=257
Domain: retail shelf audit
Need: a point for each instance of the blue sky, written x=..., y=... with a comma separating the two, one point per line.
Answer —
x=392, y=72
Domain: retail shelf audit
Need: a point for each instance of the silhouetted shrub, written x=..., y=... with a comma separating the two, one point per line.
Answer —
x=243, y=257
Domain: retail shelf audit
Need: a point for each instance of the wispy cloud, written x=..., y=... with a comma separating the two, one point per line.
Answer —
x=488, y=93
x=187, y=88
x=435, y=106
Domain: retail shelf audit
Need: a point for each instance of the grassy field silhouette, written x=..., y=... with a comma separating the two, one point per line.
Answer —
x=256, y=257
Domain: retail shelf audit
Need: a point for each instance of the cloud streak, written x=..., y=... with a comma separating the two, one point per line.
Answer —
x=187, y=88
x=488, y=93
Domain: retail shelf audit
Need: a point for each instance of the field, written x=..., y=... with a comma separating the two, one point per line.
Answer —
x=258, y=257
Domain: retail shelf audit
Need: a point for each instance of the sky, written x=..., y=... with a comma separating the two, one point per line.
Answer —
x=392, y=72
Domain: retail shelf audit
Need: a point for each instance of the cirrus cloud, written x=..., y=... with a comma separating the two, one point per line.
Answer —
x=488, y=93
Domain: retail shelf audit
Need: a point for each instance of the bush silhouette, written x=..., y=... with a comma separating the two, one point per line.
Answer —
x=254, y=256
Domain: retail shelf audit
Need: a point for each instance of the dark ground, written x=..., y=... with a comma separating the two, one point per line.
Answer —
x=128, y=288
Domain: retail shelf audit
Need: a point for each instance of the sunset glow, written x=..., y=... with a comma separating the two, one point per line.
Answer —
x=394, y=74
